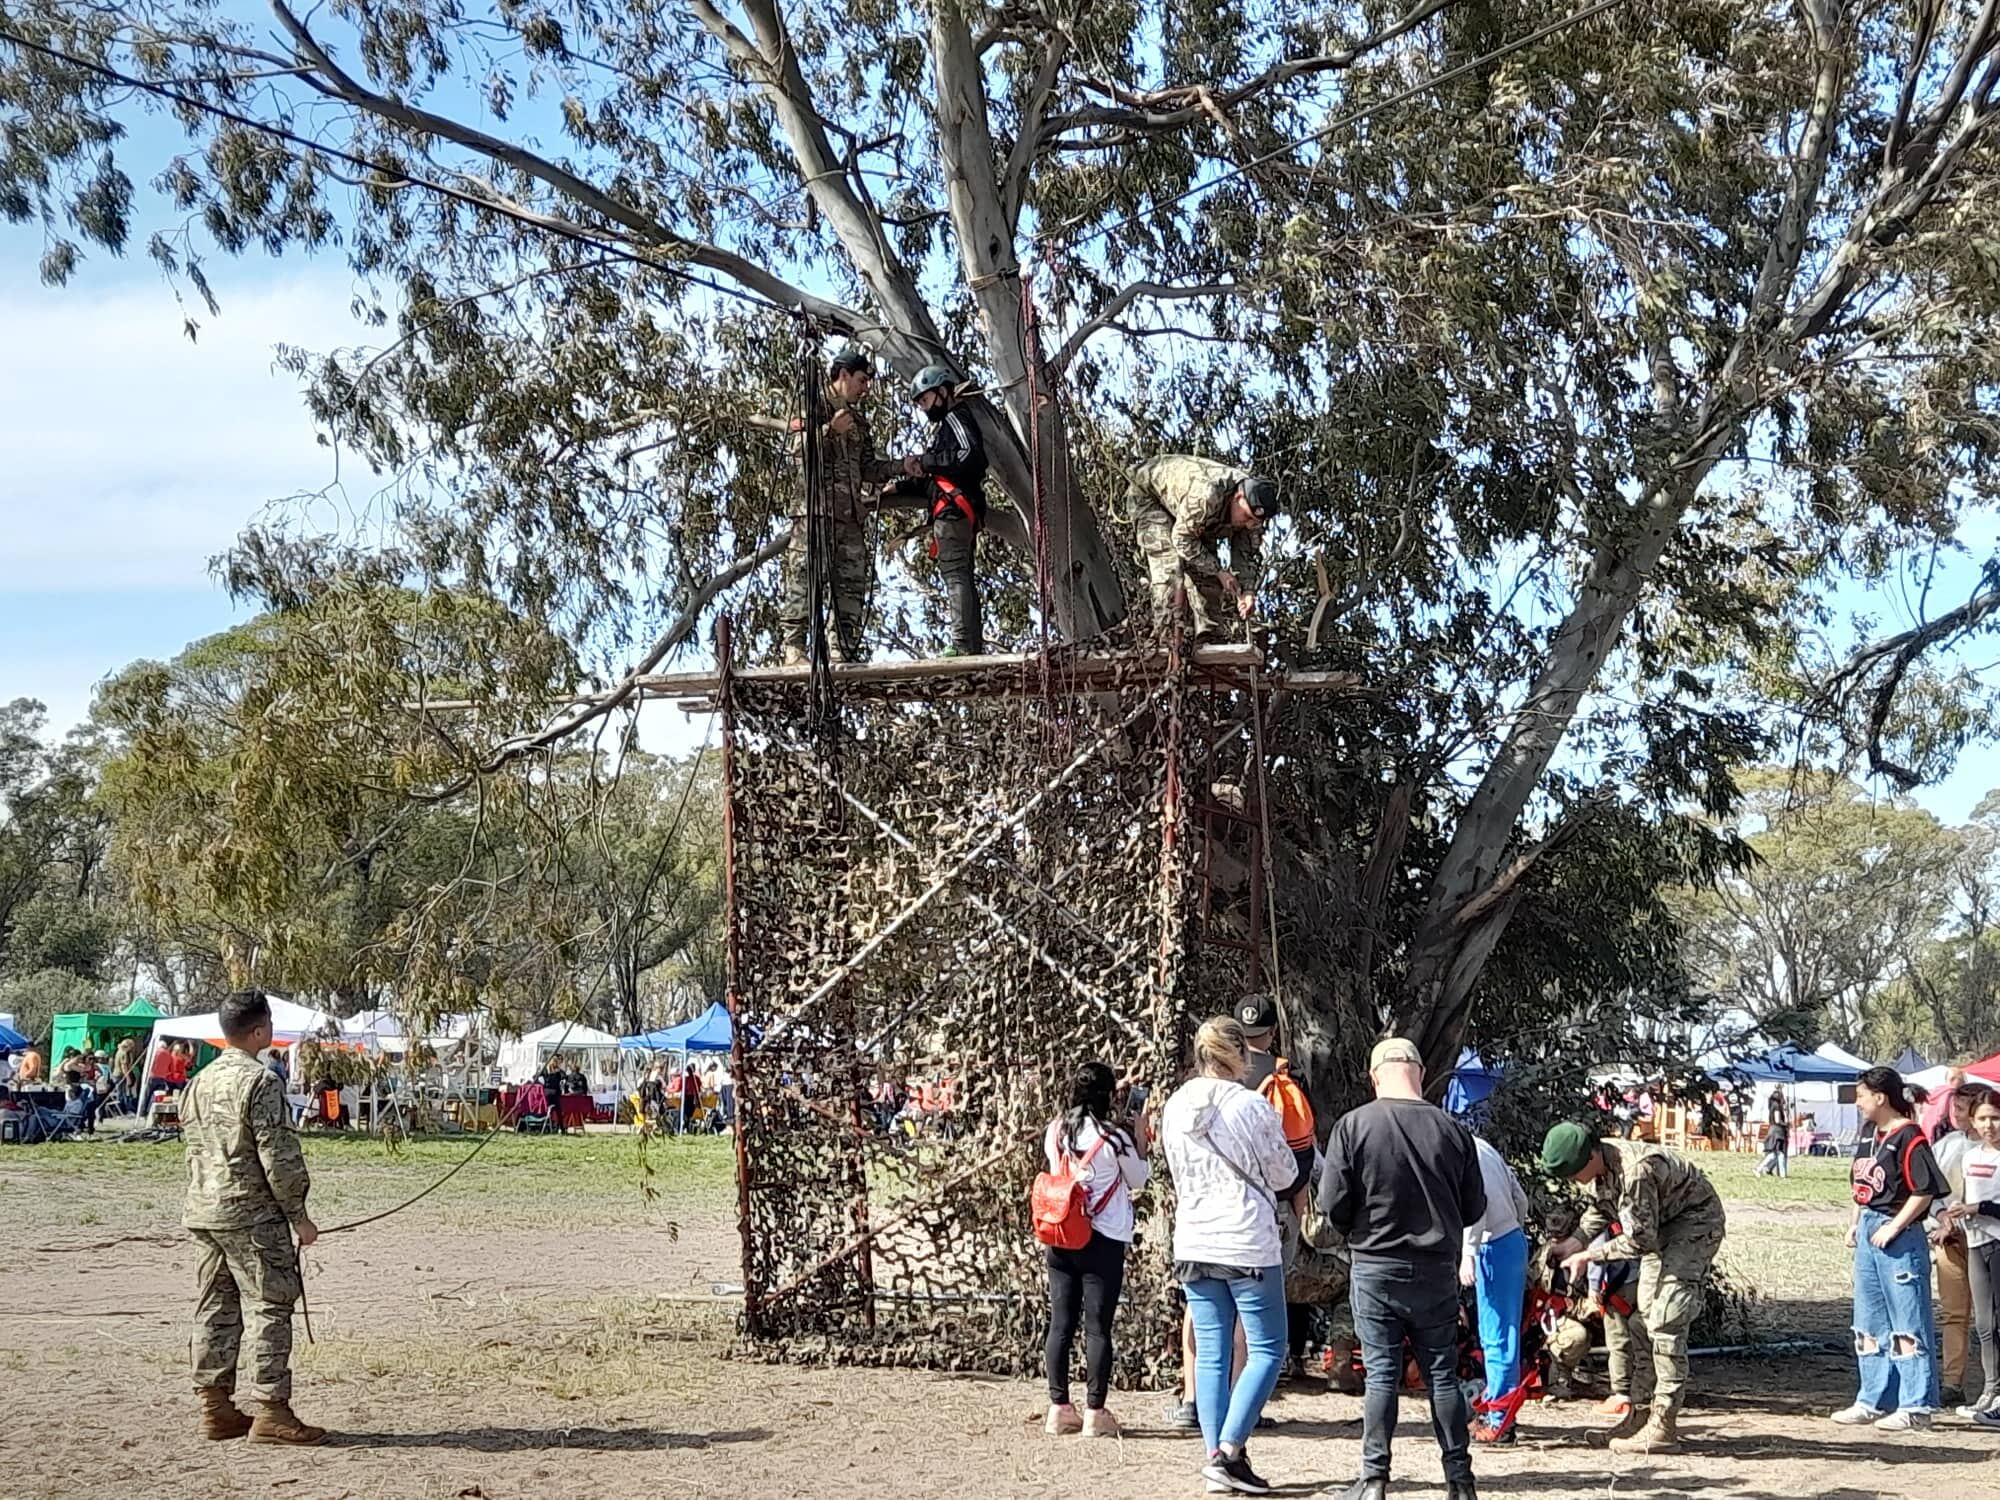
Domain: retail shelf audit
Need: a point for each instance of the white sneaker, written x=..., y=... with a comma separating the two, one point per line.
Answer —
x=1856, y=1415
x=1905, y=1421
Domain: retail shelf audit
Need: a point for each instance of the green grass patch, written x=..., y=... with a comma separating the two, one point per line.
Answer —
x=1817, y=1180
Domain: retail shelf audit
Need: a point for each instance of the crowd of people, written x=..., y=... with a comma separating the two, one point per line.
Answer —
x=1426, y=1209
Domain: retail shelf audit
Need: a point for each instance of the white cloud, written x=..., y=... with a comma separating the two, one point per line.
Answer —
x=133, y=455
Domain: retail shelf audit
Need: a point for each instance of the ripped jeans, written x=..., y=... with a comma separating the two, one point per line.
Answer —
x=1895, y=1322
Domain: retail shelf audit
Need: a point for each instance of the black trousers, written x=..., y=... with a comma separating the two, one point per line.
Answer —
x=1983, y=1263
x=1394, y=1301
x=1083, y=1283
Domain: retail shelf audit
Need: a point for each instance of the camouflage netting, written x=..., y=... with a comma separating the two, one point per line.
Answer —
x=1064, y=922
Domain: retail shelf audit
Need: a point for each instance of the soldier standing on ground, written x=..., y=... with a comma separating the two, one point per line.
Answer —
x=1672, y=1223
x=247, y=1186
x=1181, y=507
x=851, y=477
x=951, y=475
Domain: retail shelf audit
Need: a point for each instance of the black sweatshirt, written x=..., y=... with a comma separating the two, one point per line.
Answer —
x=1402, y=1181
x=957, y=452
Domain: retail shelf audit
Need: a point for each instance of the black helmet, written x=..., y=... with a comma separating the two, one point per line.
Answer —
x=1261, y=495
x=852, y=358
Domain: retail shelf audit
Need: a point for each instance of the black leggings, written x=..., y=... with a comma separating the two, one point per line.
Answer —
x=1084, y=1282
x=1984, y=1265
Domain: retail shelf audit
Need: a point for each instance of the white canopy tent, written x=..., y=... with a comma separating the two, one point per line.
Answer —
x=290, y=1023
x=388, y=1032
x=521, y=1057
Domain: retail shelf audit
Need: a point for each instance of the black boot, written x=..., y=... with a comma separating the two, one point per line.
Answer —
x=1461, y=1489
x=1366, y=1488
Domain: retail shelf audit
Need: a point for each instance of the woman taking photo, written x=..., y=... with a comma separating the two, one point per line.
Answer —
x=1109, y=1159
x=1895, y=1178
x=1227, y=1152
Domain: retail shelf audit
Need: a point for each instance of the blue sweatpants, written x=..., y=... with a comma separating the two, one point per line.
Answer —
x=1500, y=1275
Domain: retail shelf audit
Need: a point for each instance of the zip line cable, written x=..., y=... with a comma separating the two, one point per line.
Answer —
x=1508, y=49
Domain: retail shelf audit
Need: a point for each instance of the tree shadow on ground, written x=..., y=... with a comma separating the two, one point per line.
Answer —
x=517, y=1439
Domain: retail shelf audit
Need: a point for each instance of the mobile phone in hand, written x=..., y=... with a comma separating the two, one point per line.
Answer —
x=1135, y=1099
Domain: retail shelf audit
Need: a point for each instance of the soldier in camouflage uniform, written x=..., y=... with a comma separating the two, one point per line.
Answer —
x=1181, y=507
x=247, y=1186
x=1671, y=1222
x=852, y=477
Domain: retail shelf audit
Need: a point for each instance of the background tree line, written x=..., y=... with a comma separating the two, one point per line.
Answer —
x=1601, y=349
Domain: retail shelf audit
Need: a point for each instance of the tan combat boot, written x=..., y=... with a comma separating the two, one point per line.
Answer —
x=1614, y=1437
x=221, y=1419
x=1661, y=1434
x=278, y=1423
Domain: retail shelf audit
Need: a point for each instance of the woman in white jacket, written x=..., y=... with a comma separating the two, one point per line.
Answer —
x=1227, y=1153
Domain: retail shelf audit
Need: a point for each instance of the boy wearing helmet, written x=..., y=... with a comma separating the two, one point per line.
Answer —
x=1181, y=507
x=951, y=475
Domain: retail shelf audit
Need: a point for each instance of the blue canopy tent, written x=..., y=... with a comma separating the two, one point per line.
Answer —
x=12, y=1040
x=1789, y=1064
x=710, y=1031
x=1912, y=1061
x=1472, y=1084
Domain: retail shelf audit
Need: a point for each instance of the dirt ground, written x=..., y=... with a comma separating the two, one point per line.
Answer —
x=541, y=1328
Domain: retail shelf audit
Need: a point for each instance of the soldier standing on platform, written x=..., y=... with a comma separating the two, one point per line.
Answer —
x=247, y=1186
x=1181, y=507
x=851, y=476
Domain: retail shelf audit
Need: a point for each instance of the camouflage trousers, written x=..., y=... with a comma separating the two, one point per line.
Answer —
x=246, y=1282
x=852, y=578
x=1670, y=1297
x=1626, y=1347
x=1208, y=605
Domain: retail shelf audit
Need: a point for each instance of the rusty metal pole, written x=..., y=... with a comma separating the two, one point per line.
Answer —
x=732, y=920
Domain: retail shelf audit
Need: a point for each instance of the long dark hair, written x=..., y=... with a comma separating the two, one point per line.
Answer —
x=1889, y=1084
x=1090, y=1099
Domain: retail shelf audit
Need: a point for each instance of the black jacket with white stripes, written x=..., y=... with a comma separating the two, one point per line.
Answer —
x=957, y=453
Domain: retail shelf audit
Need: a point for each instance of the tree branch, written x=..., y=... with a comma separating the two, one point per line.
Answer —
x=1896, y=655
x=1107, y=315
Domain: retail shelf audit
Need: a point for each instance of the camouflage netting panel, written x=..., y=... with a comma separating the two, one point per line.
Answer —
x=1056, y=934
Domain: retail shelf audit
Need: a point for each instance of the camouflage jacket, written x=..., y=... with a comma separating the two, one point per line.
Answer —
x=1195, y=493
x=1643, y=1189
x=851, y=472
x=243, y=1161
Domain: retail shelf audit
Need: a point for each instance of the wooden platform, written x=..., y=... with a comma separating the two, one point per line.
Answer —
x=1005, y=675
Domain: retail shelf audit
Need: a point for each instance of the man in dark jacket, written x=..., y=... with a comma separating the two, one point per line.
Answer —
x=1402, y=1181
x=951, y=475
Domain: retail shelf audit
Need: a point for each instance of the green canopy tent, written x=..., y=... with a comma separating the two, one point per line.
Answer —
x=99, y=1030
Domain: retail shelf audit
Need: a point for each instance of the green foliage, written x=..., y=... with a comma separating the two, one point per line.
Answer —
x=34, y=1000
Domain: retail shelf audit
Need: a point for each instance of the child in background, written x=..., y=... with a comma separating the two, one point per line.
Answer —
x=1979, y=1215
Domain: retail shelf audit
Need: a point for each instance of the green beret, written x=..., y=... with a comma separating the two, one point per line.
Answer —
x=1567, y=1148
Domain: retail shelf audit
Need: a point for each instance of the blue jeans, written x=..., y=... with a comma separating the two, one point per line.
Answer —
x=1394, y=1301
x=1895, y=1322
x=1230, y=1416
x=1500, y=1272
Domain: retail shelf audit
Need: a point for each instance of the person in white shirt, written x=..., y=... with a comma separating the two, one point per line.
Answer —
x=1495, y=1263
x=1978, y=1215
x=1108, y=1156
x=1227, y=1152
x=1954, y=1281
x=6, y=1068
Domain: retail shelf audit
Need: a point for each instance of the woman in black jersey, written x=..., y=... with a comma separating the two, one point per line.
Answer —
x=1895, y=1177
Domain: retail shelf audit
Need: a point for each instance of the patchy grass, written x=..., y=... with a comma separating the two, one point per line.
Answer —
x=1816, y=1180
x=527, y=1180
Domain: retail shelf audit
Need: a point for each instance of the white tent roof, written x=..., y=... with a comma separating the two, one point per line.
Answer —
x=389, y=1033
x=1935, y=1078
x=1838, y=1054
x=289, y=1023
x=520, y=1057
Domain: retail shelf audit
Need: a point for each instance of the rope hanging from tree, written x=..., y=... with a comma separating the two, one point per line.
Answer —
x=819, y=524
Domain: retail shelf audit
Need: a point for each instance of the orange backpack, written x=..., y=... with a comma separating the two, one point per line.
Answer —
x=1288, y=1097
x=1060, y=1201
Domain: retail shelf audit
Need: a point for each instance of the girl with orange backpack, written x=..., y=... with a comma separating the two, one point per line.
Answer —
x=1083, y=1214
